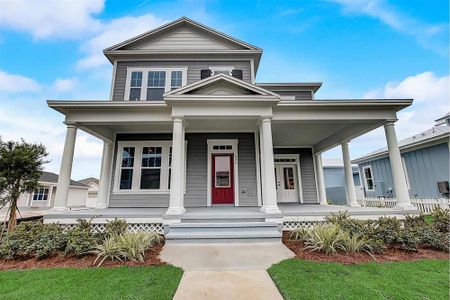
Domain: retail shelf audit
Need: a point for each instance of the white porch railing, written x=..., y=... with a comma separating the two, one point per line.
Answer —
x=425, y=205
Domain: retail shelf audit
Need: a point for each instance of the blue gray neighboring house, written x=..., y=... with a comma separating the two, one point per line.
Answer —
x=333, y=172
x=425, y=158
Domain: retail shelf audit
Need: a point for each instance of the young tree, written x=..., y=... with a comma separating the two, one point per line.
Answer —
x=21, y=165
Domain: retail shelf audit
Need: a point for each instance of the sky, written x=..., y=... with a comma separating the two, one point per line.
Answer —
x=52, y=49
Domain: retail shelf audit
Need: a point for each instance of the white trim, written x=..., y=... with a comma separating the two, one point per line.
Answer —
x=113, y=80
x=365, y=179
x=167, y=87
x=234, y=150
x=258, y=169
x=252, y=70
x=221, y=68
x=296, y=157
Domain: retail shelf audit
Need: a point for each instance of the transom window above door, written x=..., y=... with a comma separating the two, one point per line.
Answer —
x=150, y=84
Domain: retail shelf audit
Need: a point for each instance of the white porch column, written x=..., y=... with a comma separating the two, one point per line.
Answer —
x=262, y=170
x=62, y=189
x=349, y=184
x=105, y=175
x=176, y=203
x=320, y=180
x=270, y=193
x=401, y=188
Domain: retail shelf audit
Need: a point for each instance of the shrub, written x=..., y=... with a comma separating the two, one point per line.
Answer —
x=408, y=238
x=32, y=239
x=134, y=245
x=324, y=238
x=81, y=240
x=385, y=229
x=377, y=246
x=434, y=238
x=109, y=249
x=115, y=227
x=441, y=219
x=299, y=233
x=128, y=246
x=355, y=243
x=414, y=221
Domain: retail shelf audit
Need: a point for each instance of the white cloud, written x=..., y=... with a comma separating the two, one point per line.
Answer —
x=51, y=18
x=431, y=36
x=431, y=100
x=114, y=32
x=17, y=83
x=35, y=122
x=64, y=85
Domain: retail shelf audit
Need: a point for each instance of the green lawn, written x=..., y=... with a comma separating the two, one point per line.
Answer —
x=158, y=282
x=299, y=279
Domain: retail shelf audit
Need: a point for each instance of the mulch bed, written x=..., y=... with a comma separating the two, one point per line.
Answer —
x=391, y=254
x=60, y=261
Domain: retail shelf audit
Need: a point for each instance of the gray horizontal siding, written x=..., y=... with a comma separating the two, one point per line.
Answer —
x=196, y=171
x=193, y=72
x=425, y=167
x=309, y=190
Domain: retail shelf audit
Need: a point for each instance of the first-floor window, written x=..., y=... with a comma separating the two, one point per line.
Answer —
x=368, y=178
x=151, y=168
x=144, y=166
x=40, y=193
x=126, y=173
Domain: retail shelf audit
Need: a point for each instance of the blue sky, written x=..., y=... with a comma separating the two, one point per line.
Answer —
x=358, y=48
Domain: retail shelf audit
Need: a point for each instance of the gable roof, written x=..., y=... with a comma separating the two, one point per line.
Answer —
x=221, y=79
x=89, y=180
x=183, y=20
x=53, y=178
x=430, y=135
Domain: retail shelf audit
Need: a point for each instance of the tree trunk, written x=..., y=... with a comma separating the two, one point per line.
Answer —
x=12, y=215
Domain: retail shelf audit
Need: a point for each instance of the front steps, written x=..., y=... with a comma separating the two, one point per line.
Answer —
x=223, y=229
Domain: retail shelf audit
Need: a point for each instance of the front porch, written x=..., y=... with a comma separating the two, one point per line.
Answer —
x=292, y=215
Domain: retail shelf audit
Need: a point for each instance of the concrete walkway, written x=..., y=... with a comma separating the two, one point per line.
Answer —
x=226, y=271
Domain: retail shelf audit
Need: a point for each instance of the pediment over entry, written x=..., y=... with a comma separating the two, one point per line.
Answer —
x=222, y=85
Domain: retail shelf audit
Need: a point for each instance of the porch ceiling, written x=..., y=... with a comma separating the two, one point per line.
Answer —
x=321, y=135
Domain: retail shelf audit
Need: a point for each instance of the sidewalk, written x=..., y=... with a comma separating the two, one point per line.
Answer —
x=226, y=271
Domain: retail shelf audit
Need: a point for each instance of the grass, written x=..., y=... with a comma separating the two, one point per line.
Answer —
x=156, y=282
x=428, y=219
x=299, y=279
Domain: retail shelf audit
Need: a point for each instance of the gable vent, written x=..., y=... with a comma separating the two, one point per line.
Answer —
x=205, y=73
x=237, y=74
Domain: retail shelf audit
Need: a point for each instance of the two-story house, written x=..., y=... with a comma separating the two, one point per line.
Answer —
x=191, y=138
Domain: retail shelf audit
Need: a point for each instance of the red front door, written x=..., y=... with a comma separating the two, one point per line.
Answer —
x=222, y=179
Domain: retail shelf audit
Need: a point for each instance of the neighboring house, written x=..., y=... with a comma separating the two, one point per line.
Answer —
x=92, y=184
x=425, y=160
x=44, y=195
x=333, y=171
x=189, y=134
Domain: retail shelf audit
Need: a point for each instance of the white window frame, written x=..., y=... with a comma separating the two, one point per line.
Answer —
x=221, y=69
x=405, y=170
x=365, y=179
x=295, y=161
x=234, y=150
x=43, y=187
x=168, y=83
x=137, y=167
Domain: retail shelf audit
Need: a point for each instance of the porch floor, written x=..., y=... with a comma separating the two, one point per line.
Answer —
x=287, y=211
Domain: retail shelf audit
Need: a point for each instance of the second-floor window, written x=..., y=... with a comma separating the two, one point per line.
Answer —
x=151, y=83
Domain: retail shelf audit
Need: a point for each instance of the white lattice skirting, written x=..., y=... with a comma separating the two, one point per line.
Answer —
x=132, y=227
x=291, y=225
